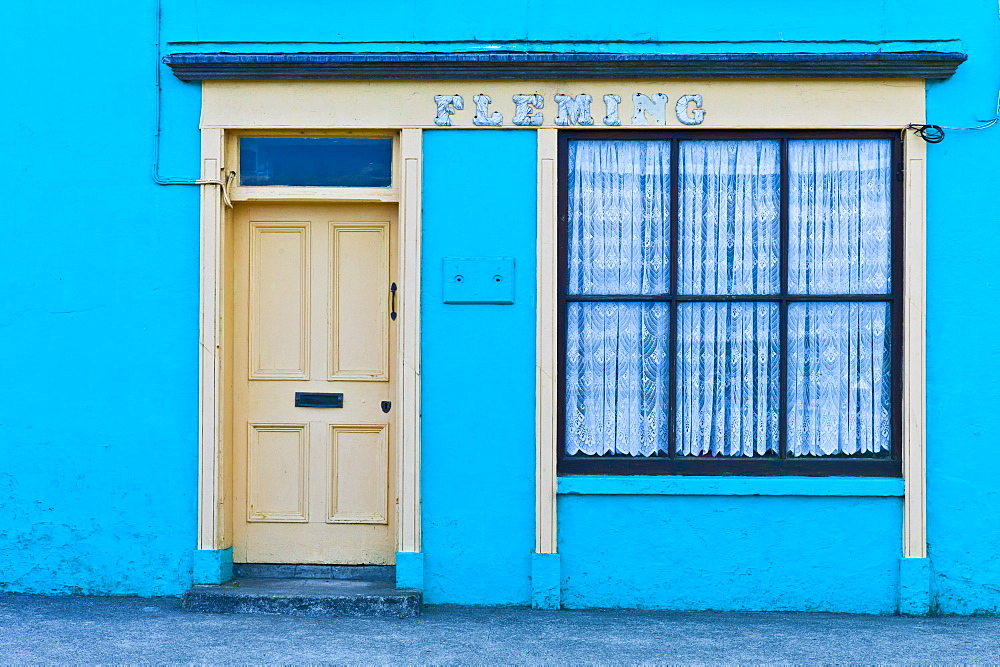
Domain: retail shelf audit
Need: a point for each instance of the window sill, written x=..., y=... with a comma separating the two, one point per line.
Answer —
x=618, y=485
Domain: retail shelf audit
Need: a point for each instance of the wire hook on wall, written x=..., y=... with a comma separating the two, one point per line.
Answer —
x=934, y=134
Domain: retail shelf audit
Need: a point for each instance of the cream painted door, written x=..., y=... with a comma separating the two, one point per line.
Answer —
x=312, y=311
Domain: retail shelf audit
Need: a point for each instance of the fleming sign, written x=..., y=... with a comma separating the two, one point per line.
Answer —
x=573, y=110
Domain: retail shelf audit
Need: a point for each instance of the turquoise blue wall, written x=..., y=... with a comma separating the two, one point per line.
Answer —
x=963, y=351
x=99, y=312
x=478, y=371
x=725, y=552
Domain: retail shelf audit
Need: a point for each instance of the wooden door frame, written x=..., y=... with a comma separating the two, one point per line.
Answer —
x=215, y=510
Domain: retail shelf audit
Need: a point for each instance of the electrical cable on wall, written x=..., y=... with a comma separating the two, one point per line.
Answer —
x=223, y=186
x=934, y=134
x=159, y=95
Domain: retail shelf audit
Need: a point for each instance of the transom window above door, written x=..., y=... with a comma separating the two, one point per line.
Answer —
x=730, y=303
x=316, y=161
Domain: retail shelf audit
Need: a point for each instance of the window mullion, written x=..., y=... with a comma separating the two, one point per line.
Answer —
x=783, y=307
x=672, y=389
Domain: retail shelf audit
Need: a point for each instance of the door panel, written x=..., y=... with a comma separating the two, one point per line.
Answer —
x=359, y=304
x=359, y=455
x=279, y=301
x=278, y=472
x=311, y=314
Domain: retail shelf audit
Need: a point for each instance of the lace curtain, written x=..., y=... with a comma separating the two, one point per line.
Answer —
x=839, y=216
x=728, y=355
x=727, y=379
x=839, y=220
x=617, y=368
x=838, y=378
x=729, y=217
x=616, y=377
x=619, y=232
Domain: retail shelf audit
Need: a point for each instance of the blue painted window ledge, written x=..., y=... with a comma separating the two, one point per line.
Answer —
x=729, y=486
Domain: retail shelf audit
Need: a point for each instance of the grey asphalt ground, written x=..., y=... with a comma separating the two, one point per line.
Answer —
x=39, y=629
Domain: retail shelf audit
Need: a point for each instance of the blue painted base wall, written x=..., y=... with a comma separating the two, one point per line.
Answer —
x=730, y=553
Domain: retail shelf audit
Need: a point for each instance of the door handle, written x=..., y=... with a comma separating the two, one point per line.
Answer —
x=386, y=406
x=392, y=307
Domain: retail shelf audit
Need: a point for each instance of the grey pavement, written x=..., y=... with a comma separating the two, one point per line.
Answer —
x=38, y=629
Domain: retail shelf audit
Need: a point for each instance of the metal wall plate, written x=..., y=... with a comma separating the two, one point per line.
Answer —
x=478, y=280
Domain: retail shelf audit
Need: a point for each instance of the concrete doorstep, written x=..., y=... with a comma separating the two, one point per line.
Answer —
x=304, y=597
x=307, y=590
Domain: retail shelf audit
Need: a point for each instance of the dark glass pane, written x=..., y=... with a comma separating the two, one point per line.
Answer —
x=316, y=162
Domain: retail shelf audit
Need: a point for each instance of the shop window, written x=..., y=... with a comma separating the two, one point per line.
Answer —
x=730, y=304
x=316, y=161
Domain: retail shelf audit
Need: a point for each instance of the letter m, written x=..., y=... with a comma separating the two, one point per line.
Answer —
x=574, y=111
